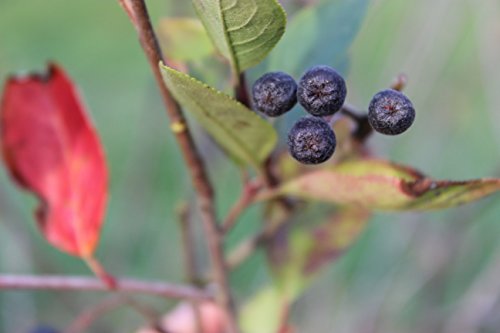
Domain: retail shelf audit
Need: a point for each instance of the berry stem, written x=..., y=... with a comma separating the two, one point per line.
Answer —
x=137, y=11
x=241, y=90
x=363, y=129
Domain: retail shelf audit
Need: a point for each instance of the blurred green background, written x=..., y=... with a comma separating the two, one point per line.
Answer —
x=431, y=272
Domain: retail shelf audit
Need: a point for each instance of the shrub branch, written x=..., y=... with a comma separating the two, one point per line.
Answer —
x=82, y=283
x=137, y=11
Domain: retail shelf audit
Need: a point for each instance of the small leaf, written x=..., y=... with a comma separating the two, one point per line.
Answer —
x=332, y=238
x=52, y=150
x=319, y=34
x=242, y=133
x=244, y=31
x=307, y=250
x=184, y=39
x=381, y=185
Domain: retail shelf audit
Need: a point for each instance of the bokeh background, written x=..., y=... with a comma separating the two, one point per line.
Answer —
x=426, y=272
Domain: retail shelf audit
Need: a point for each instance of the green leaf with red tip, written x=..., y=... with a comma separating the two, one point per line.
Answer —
x=51, y=149
x=241, y=132
x=381, y=185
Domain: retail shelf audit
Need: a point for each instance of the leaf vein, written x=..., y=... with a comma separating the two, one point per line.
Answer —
x=249, y=40
x=231, y=5
x=243, y=24
x=245, y=51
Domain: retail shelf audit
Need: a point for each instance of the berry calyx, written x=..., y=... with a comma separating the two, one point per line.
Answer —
x=274, y=93
x=390, y=112
x=322, y=91
x=311, y=140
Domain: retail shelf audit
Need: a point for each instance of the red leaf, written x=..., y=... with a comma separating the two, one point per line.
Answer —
x=52, y=150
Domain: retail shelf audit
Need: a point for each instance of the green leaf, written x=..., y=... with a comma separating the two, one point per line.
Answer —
x=319, y=34
x=184, y=39
x=382, y=185
x=307, y=251
x=263, y=313
x=244, y=31
x=242, y=133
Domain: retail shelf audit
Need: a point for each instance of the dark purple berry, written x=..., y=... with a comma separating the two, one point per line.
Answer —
x=275, y=93
x=390, y=112
x=311, y=140
x=321, y=91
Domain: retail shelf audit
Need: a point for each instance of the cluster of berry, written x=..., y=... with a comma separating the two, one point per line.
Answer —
x=322, y=92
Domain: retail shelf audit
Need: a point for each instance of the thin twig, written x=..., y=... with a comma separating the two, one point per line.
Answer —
x=248, y=246
x=271, y=228
x=82, y=283
x=244, y=250
x=196, y=167
x=89, y=316
x=93, y=313
x=188, y=245
x=250, y=189
x=189, y=251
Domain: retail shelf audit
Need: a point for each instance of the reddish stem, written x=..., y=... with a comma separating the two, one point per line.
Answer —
x=81, y=283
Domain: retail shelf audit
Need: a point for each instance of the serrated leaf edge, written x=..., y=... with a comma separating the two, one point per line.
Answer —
x=256, y=163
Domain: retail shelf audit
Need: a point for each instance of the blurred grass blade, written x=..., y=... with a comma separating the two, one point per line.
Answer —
x=319, y=34
x=184, y=39
x=244, y=31
x=242, y=133
x=381, y=185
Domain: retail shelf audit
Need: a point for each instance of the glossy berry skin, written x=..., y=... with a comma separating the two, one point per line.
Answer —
x=322, y=91
x=274, y=93
x=311, y=140
x=390, y=112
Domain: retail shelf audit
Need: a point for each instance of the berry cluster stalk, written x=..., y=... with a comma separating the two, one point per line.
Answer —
x=137, y=11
